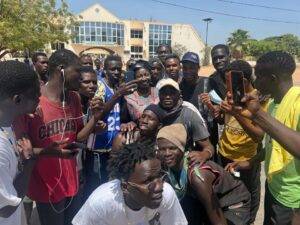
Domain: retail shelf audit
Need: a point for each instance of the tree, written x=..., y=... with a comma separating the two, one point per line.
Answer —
x=28, y=25
x=288, y=43
x=179, y=49
x=257, y=48
x=238, y=43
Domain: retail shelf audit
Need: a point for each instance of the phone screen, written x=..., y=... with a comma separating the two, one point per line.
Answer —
x=237, y=84
x=129, y=76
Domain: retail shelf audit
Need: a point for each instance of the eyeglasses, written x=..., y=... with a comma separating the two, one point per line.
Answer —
x=151, y=185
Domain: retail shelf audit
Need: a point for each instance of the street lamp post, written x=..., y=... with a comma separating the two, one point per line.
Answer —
x=206, y=61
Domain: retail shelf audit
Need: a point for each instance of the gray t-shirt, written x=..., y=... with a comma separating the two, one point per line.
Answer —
x=194, y=124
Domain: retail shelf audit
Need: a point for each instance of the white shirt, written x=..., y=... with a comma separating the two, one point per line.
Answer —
x=106, y=206
x=8, y=171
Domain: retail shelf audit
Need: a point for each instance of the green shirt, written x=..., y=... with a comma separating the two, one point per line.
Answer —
x=285, y=185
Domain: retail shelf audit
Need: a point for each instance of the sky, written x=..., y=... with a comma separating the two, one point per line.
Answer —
x=220, y=28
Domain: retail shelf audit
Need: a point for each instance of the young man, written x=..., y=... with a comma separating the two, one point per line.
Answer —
x=137, y=195
x=86, y=60
x=55, y=190
x=157, y=71
x=99, y=68
x=162, y=51
x=206, y=188
x=110, y=90
x=178, y=111
x=274, y=76
x=190, y=82
x=40, y=65
x=19, y=94
x=173, y=67
x=220, y=58
x=149, y=124
x=192, y=86
x=240, y=140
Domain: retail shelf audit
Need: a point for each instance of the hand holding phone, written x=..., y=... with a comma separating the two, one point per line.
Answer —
x=235, y=82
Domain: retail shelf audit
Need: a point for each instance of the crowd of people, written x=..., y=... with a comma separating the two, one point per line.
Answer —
x=90, y=143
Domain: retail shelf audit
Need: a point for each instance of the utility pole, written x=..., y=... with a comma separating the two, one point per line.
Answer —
x=206, y=55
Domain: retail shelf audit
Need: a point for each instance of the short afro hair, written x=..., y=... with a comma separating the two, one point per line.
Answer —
x=164, y=45
x=36, y=55
x=64, y=58
x=278, y=63
x=172, y=56
x=221, y=46
x=123, y=165
x=110, y=58
x=16, y=78
x=87, y=69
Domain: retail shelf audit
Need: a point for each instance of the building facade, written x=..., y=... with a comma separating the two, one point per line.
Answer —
x=99, y=33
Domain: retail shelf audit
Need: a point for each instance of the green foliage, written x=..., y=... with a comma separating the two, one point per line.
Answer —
x=28, y=25
x=238, y=42
x=288, y=43
x=241, y=45
x=258, y=48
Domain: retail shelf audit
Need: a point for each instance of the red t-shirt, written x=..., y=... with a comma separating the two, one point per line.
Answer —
x=52, y=179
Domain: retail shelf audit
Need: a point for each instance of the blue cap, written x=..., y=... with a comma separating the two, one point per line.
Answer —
x=191, y=57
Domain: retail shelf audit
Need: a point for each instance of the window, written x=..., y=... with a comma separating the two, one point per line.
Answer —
x=136, y=34
x=136, y=56
x=99, y=33
x=158, y=34
x=138, y=49
x=136, y=52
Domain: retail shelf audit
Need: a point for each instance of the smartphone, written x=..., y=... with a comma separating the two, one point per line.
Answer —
x=236, y=85
x=129, y=76
x=74, y=145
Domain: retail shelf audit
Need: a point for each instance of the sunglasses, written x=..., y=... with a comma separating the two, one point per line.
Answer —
x=151, y=185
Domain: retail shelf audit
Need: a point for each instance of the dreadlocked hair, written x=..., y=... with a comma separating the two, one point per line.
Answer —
x=123, y=165
x=277, y=62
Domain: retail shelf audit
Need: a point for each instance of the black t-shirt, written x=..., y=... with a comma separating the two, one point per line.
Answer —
x=188, y=93
x=191, y=94
x=218, y=83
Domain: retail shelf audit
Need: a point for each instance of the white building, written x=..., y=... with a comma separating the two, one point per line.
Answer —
x=101, y=33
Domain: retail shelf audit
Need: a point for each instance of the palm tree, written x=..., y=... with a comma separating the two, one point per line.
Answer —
x=238, y=43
